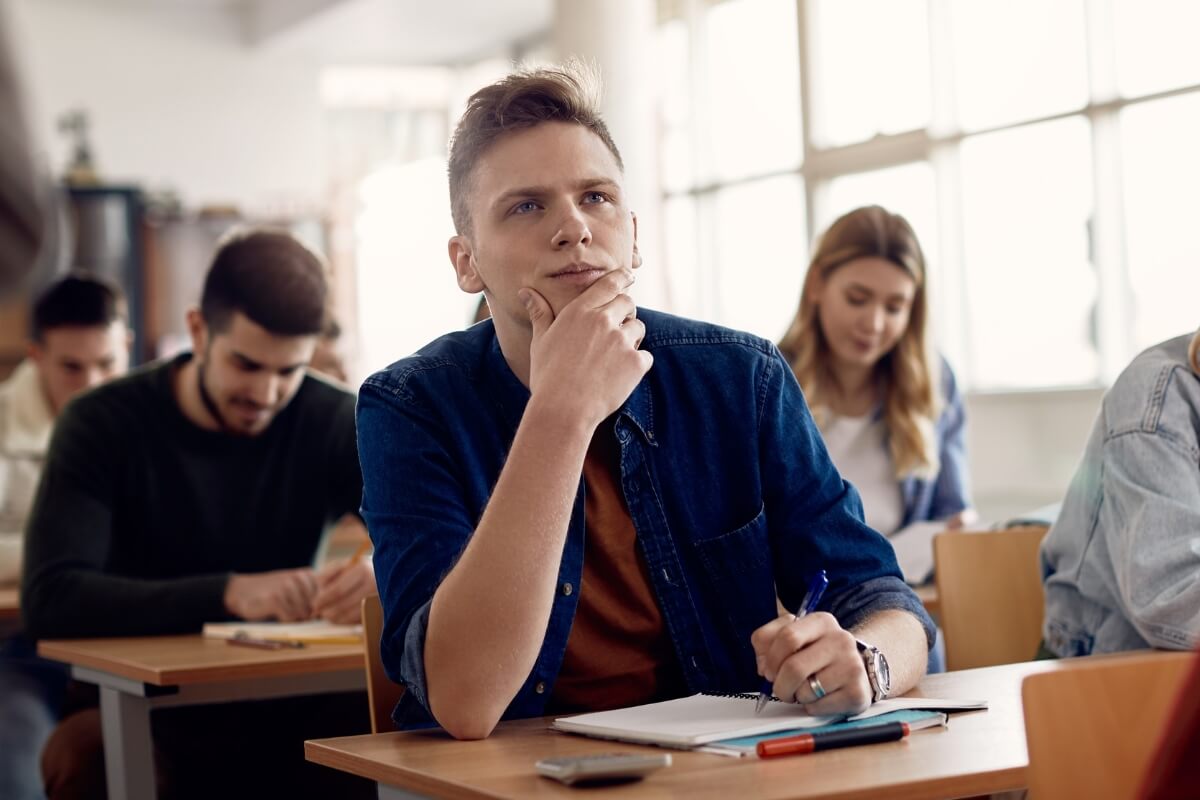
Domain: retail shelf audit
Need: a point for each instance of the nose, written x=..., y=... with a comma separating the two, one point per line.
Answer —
x=92, y=376
x=265, y=389
x=572, y=230
x=872, y=319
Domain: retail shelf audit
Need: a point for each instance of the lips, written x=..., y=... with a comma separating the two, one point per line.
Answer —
x=576, y=269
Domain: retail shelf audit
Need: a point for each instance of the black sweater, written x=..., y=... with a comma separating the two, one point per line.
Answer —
x=141, y=516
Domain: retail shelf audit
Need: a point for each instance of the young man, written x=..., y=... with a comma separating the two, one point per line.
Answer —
x=80, y=339
x=197, y=490
x=683, y=451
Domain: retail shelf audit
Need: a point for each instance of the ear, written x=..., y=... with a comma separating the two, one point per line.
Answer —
x=637, y=256
x=35, y=353
x=462, y=257
x=198, y=330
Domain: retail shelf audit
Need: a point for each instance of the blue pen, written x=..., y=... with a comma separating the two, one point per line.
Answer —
x=816, y=588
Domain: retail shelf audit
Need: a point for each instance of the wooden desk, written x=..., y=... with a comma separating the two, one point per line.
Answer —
x=138, y=674
x=979, y=753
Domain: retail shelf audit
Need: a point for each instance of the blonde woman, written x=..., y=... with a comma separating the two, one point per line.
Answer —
x=1122, y=561
x=891, y=416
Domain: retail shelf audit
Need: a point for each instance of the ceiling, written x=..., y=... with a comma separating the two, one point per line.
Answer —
x=359, y=31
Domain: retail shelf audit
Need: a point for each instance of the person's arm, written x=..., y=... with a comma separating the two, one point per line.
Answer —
x=816, y=522
x=1150, y=517
x=951, y=489
x=66, y=590
x=489, y=616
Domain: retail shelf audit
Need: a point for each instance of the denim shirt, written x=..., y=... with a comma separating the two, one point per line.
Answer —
x=949, y=491
x=724, y=473
x=1122, y=562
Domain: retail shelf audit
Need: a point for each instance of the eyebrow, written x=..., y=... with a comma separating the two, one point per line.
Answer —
x=252, y=364
x=540, y=191
x=868, y=290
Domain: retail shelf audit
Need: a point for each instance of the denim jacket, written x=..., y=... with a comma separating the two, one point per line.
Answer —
x=948, y=492
x=1122, y=562
x=725, y=475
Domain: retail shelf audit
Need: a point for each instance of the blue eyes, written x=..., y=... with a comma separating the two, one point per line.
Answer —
x=530, y=206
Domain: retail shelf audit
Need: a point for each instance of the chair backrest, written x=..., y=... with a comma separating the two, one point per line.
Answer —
x=990, y=595
x=1092, y=724
x=382, y=693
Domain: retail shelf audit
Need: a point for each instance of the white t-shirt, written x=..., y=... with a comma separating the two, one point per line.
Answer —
x=858, y=447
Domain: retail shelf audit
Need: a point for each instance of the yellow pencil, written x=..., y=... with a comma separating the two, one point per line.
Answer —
x=361, y=551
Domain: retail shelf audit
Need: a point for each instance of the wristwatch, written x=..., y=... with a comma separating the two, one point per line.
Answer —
x=878, y=674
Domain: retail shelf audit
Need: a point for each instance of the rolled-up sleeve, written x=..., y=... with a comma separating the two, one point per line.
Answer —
x=816, y=517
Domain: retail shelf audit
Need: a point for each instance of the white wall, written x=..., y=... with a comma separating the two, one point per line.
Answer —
x=186, y=107
x=1024, y=448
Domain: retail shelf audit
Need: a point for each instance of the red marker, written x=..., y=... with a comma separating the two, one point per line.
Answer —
x=849, y=737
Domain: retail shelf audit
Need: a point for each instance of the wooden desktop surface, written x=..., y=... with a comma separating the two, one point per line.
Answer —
x=10, y=603
x=980, y=752
x=193, y=659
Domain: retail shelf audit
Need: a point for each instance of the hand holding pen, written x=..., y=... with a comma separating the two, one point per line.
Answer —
x=812, y=598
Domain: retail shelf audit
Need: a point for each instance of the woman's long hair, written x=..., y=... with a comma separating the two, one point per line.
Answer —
x=908, y=373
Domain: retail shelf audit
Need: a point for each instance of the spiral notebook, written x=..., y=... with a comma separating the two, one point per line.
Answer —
x=702, y=718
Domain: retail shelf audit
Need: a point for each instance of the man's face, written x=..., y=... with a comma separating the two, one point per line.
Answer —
x=547, y=212
x=247, y=373
x=75, y=358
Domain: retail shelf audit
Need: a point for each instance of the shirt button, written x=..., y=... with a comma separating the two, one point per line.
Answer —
x=567, y=589
x=540, y=687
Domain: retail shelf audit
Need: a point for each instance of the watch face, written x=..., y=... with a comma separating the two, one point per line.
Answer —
x=885, y=674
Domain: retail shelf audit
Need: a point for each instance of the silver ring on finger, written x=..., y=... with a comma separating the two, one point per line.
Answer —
x=814, y=683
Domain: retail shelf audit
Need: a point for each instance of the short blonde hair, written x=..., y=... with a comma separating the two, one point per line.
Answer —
x=912, y=401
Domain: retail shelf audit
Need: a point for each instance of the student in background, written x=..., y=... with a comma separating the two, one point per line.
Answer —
x=1122, y=561
x=80, y=338
x=889, y=410
x=683, y=450
x=195, y=490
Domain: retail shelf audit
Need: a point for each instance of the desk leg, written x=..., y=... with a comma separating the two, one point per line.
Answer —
x=128, y=748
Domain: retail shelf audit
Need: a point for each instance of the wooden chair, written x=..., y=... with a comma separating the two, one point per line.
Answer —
x=1092, y=725
x=382, y=693
x=990, y=597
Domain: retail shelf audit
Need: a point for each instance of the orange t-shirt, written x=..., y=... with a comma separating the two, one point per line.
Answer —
x=618, y=653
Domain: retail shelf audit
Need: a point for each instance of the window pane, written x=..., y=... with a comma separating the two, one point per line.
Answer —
x=1017, y=60
x=753, y=84
x=684, y=270
x=868, y=78
x=675, y=106
x=1031, y=288
x=1161, y=173
x=907, y=190
x=1156, y=44
x=761, y=254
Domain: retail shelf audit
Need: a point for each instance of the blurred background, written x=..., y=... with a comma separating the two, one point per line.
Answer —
x=1044, y=152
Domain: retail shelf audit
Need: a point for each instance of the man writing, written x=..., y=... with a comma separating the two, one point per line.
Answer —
x=585, y=504
x=198, y=489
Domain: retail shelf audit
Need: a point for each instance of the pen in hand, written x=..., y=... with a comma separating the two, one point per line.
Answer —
x=816, y=588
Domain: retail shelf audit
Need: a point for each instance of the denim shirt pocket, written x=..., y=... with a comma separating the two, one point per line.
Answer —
x=738, y=572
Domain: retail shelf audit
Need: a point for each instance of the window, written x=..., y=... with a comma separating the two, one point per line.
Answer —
x=1044, y=153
